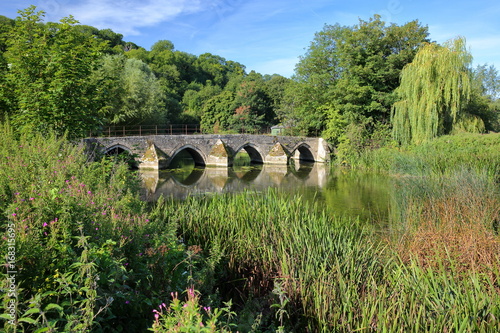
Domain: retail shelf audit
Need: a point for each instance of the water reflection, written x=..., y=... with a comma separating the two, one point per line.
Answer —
x=338, y=192
x=179, y=183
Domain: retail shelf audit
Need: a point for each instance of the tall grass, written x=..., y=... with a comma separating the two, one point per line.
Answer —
x=338, y=276
x=436, y=270
x=441, y=156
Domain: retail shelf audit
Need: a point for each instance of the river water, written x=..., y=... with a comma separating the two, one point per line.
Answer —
x=339, y=191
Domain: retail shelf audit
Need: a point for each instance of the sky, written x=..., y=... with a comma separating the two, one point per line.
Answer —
x=269, y=36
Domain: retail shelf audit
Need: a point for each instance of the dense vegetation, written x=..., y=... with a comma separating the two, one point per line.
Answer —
x=89, y=255
x=74, y=78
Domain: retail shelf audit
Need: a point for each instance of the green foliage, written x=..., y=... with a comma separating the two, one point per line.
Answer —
x=218, y=112
x=84, y=239
x=196, y=96
x=434, y=93
x=189, y=316
x=330, y=273
x=349, y=75
x=130, y=92
x=47, y=83
x=443, y=155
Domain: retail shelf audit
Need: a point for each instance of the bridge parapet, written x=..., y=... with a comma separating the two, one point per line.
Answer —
x=156, y=152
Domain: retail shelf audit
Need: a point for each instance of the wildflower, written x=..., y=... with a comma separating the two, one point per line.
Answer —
x=32, y=199
x=89, y=192
x=127, y=302
x=45, y=224
x=14, y=214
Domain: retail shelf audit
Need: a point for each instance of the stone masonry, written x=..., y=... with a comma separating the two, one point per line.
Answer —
x=156, y=152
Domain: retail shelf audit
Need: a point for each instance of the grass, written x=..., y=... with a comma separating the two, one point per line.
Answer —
x=441, y=156
x=436, y=269
x=84, y=237
x=336, y=274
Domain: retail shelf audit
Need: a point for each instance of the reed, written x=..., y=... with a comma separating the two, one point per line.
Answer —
x=337, y=274
x=441, y=156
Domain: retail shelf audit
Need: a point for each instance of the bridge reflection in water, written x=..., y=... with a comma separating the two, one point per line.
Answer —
x=179, y=183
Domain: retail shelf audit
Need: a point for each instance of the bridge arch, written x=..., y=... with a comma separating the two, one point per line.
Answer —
x=252, y=150
x=303, y=152
x=196, y=154
x=117, y=149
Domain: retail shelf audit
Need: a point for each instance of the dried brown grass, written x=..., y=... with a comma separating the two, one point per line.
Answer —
x=457, y=233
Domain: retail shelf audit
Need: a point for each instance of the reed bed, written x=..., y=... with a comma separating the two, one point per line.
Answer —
x=338, y=275
x=442, y=156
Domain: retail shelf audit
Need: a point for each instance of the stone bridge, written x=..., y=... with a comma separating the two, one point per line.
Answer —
x=157, y=151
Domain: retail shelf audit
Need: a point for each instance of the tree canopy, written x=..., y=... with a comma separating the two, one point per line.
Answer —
x=47, y=84
x=434, y=93
x=351, y=74
x=353, y=85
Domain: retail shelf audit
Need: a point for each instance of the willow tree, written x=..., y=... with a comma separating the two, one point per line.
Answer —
x=434, y=92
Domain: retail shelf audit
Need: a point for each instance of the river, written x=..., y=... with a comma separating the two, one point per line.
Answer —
x=338, y=191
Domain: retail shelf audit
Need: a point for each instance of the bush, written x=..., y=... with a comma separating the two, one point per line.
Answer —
x=88, y=254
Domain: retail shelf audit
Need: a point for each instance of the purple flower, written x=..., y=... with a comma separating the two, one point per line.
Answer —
x=45, y=224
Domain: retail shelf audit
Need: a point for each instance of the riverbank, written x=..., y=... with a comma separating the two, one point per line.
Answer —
x=89, y=255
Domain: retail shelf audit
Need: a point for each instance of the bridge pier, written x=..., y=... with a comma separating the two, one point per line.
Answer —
x=219, y=155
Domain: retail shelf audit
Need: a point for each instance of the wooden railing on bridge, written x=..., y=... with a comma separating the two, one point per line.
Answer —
x=173, y=129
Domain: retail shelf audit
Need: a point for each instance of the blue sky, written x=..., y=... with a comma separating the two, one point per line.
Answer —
x=268, y=36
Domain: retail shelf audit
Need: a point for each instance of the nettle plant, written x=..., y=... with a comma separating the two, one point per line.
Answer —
x=88, y=252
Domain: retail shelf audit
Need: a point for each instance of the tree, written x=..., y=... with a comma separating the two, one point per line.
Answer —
x=195, y=98
x=218, y=112
x=487, y=80
x=349, y=74
x=435, y=92
x=131, y=92
x=48, y=76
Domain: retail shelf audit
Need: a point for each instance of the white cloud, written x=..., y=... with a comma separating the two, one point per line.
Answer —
x=128, y=16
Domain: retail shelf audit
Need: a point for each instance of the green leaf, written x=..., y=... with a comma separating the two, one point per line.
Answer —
x=6, y=316
x=53, y=306
x=28, y=320
x=30, y=311
x=43, y=329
